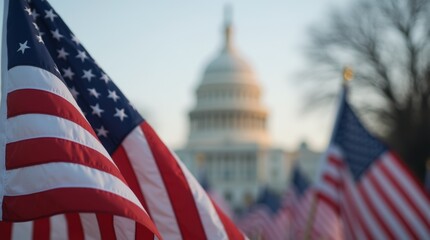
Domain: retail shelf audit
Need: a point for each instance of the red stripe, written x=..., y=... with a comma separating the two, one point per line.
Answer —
x=143, y=233
x=374, y=211
x=47, y=150
x=410, y=203
x=41, y=229
x=384, y=199
x=333, y=182
x=74, y=226
x=334, y=160
x=47, y=203
x=26, y=101
x=177, y=187
x=230, y=228
x=329, y=201
x=123, y=162
x=107, y=230
x=5, y=230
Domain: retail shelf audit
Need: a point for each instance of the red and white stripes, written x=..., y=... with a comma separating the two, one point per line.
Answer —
x=179, y=206
x=385, y=203
x=51, y=160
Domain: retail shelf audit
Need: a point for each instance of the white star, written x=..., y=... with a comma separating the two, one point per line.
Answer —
x=56, y=34
x=35, y=26
x=74, y=92
x=97, y=110
x=28, y=10
x=120, y=113
x=62, y=54
x=82, y=55
x=56, y=69
x=50, y=14
x=22, y=47
x=68, y=73
x=102, y=131
x=112, y=94
x=35, y=14
x=39, y=38
x=75, y=39
x=105, y=77
x=93, y=92
x=88, y=74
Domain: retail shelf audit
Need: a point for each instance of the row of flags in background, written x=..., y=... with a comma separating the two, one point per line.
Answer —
x=363, y=191
x=77, y=161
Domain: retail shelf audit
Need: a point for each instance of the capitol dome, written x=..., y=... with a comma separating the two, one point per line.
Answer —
x=228, y=108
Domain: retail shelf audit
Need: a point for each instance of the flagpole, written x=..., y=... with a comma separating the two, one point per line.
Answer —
x=310, y=221
x=347, y=75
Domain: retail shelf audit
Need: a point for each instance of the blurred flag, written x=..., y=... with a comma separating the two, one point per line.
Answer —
x=367, y=184
x=177, y=204
x=52, y=161
x=307, y=220
x=266, y=218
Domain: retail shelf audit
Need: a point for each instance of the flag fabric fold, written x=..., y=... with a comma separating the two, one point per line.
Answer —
x=91, y=106
x=369, y=187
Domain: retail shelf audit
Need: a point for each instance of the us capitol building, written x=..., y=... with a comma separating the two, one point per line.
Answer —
x=228, y=145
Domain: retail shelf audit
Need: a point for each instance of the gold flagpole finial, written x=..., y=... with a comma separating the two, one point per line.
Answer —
x=348, y=74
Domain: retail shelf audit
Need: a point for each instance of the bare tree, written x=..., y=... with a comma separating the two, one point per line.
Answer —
x=387, y=43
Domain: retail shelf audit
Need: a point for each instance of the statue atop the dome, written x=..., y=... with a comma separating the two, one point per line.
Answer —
x=228, y=29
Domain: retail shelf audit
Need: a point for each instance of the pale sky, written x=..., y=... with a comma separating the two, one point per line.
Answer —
x=156, y=51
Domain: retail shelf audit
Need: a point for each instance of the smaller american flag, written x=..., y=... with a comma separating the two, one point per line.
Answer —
x=374, y=194
x=320, y=224
x=266, y=219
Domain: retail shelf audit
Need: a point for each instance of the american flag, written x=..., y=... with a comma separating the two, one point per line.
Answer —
x=266, y=219
x=307, y=220
x=52, y=161
x=176, y=203
x=375, y=195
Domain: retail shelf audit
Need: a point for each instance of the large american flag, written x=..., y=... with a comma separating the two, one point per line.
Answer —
x=176, y=203
x=51, y=159
x=375, y=195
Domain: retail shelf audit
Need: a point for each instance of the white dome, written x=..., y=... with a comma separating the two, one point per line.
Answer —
x=228, y=108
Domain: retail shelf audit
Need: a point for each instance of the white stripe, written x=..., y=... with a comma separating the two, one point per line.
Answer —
x=124, y=228
x=409, y=186
x=151, y=184
x=331, y=170
x=29, y=77
x=58, y=227
x=43, y=177
x=22, y=230
x=400, y=204
x=31, y=126
x=90, y=226
x=382, y=208
x=3, y=105
x=212, y=224
x=328, y=190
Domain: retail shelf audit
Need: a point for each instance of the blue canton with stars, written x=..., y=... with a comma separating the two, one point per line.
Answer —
x=358, y=146
x=41, y=39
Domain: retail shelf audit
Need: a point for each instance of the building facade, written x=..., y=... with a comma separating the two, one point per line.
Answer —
x=228, y=144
